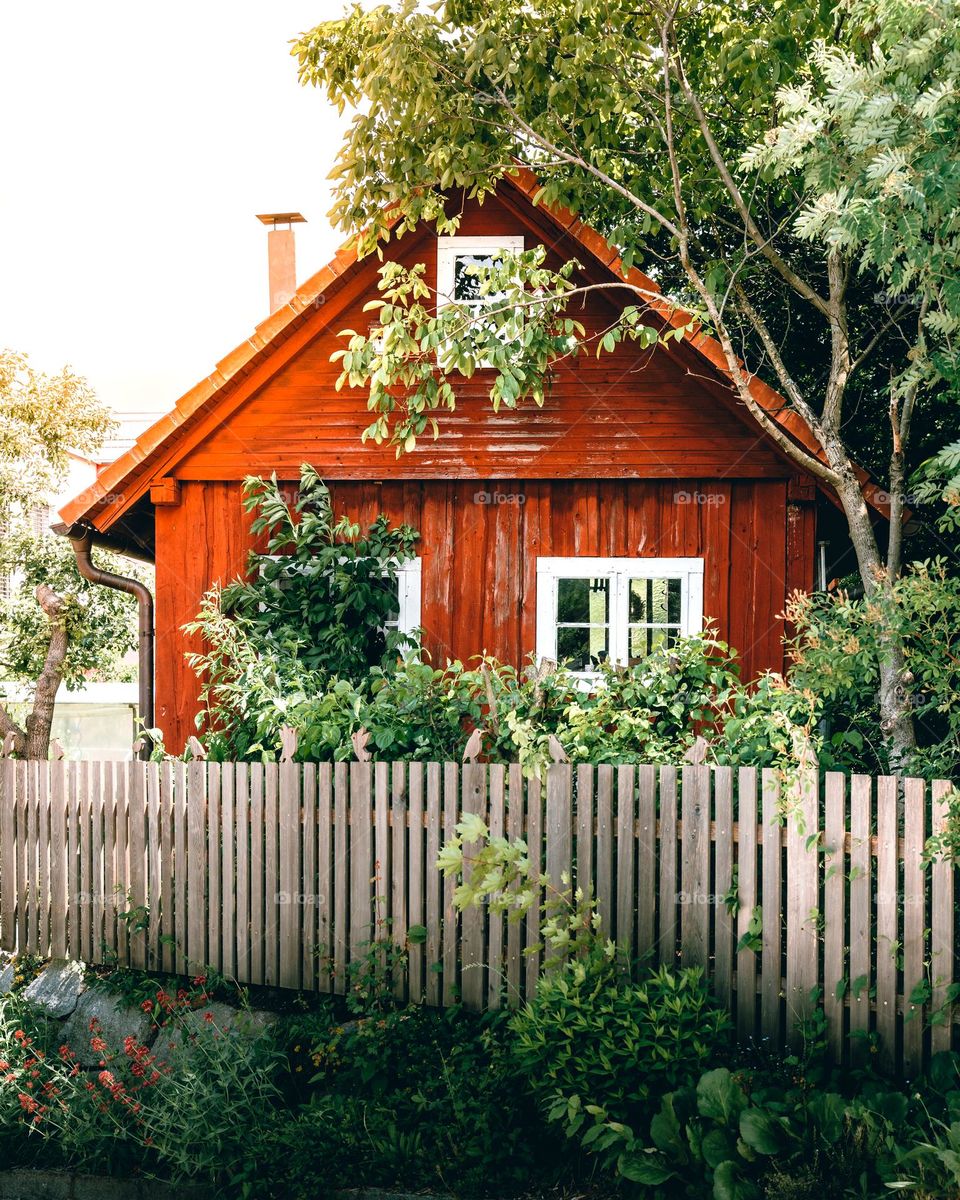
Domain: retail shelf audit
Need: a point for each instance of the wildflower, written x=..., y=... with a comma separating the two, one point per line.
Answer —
x=208, y=1017
x=27, y=1103
x=98, y=1045
x=106, y=1079
x=147, y=1006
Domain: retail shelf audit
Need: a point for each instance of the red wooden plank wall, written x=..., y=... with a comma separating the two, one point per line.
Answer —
x=479, y=545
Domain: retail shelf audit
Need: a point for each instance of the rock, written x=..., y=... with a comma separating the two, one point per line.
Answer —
x=246, y=1023
x=6, y=974
x=57, y=989
x=117, y=1021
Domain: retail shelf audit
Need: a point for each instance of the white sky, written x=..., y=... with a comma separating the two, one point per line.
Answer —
x=138, y=143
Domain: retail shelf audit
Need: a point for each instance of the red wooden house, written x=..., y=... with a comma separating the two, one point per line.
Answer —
x=640, y=500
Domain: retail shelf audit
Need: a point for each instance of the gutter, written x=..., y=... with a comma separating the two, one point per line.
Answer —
x=81, y=536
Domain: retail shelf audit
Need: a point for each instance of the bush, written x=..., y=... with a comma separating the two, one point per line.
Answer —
x=597, y=1046
x=414, y=1097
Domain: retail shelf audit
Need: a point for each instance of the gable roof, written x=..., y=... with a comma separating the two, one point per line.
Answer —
x=121, y=483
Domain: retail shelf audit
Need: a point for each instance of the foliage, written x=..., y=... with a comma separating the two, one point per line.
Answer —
x=748, y=1137
x=498, y=875
x=316, y=604
x=42, y=417
x=101, y=622
x=411, y=1095
x=186, y=1111
x=599, y=1048
x=840, y=642
x=790, y=169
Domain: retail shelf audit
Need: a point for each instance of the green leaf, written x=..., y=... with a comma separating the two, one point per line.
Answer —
x=761, y=1131
x=719, y=1097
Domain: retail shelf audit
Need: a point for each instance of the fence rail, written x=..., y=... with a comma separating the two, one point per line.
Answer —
x=284, y=874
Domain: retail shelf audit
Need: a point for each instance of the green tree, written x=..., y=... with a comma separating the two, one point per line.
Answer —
x=42, y=417
x=762, y=156
x=54, y=626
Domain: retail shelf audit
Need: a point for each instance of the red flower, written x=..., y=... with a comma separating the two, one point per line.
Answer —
x=98, y=1045
x=147, y=1006
x=208, y=1017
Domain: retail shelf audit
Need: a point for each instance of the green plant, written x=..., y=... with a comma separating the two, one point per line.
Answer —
x=414, y=1096
x=599, y=1048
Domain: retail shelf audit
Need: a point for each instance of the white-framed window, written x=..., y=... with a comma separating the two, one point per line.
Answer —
x=456, y=283
x=617, y=610
x=405, y=617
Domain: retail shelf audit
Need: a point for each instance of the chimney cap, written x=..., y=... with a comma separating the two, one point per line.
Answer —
x=285, y=218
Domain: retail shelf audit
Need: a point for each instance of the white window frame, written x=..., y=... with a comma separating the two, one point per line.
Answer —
x=449, y=249
x=619, y=571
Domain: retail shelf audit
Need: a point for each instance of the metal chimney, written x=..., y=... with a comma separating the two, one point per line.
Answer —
x=281, y=255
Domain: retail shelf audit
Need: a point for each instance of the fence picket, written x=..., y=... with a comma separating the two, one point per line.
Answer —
x=943, y=916
x=803, y=873
x=535, y=847
x=417, y=876
x=271, y=874
x=646, y=858
x=451, y=922
x=168, y=928
x=361, y=861
x=341, y=875
x=473, y=800
x=860, y=933
x=8, y=859
x=59, y=898
x=888, y=945
x=834, y=910
x=515, y=830
x=214, y=850
x=398, y=874
x=626, y=859
x=326, y=897
x=156, y=897
x=137, y=852
x=434, y=908
x=746, y=982
x=723, y=882
x=306, y=883
x=73, y=860
x=241, y=808
x=914, y=920
x=228, y=870
x=770, y=902
x=290, y=869
x=668, y=864
x=695, y=866
x=605, y=844
x=254, y=938
x=495, y=973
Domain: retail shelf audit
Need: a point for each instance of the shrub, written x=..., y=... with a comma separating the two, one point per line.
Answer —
x=414, y=1097
x=597, y=1046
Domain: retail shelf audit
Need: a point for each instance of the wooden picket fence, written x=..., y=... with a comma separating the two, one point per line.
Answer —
x=285, y=874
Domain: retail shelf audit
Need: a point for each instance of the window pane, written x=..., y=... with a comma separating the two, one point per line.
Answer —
x=656, y=601
x=582, y=648
x=586, y=600
x=645, y=641
x=466, y=284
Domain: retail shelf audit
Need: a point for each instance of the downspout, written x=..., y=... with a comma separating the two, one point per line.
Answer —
x=81, y=536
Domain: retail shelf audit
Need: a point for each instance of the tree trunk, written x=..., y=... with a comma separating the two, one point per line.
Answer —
x=34, y=740
x=896, y=713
